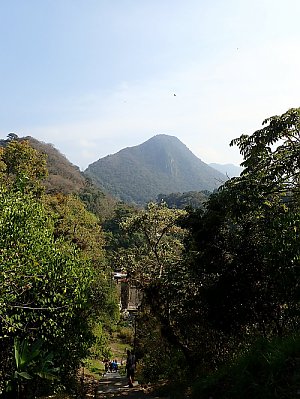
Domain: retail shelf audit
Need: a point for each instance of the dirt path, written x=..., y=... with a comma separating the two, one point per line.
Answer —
x=113, y=385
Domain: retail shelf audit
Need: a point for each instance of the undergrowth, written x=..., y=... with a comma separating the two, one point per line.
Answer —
x=269, y=370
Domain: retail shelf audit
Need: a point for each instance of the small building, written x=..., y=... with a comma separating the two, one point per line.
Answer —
x=130, y=295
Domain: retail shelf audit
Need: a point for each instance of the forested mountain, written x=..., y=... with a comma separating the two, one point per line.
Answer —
x=163, y=164
x=63, y=176
x=66, y=178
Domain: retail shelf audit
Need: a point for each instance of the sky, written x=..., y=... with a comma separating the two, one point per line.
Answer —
x=94, y=76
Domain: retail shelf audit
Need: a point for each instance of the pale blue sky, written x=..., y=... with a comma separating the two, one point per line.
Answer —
x=95, y=76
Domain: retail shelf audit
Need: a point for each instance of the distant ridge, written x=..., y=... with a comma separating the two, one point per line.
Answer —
x=228, y=169
x=162, y=164
x=64, y=177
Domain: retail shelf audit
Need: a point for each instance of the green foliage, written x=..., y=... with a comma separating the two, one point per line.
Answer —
x=76, y=225
x=30, y=362
x=115, y=237
x=125, y=334
x=63, y=177
x=81, y=228
x=100, y=204
x=154, y=264
x=192, y=199
x=159, y=246
x=160, y=361
x=237, y=279
x=47, y=287
x=219, y=283
x=100, y=344
x=242, y=250
x=268, y=370
x=32, y=260
x=22, y=167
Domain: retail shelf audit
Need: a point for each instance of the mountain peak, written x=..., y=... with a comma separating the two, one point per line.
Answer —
x=164, y=139
x=163, y=136
x=160, y=165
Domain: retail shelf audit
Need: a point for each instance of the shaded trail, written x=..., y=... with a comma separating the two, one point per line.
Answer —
x=113, y=385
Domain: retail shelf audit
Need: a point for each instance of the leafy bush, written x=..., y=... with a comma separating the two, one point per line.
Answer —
x=45, y=287
x=126, y=335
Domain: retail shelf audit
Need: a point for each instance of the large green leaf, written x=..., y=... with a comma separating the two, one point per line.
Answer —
x=23, y=374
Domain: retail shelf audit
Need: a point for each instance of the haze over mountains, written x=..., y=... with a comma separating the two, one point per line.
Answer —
x=161, y=165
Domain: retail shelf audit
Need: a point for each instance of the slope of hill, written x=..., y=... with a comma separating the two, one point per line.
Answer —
x=64, y=177
x=163, y=164
x=228, y=169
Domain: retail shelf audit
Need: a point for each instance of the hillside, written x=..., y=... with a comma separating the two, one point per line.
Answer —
x=64, y=177
x=161, y=165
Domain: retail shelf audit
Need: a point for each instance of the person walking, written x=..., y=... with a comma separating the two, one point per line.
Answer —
x=130, y=368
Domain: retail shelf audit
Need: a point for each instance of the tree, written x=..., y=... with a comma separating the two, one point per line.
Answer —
x=272, y=153
x=53, y=286
x=12, y=136
x=44, y=285
x=154, y=264
x=158, y=245
x=242, y=249
x=100, y=204
x=193, y=199
x=76, y=224
x=22, y=167
x=73, y=223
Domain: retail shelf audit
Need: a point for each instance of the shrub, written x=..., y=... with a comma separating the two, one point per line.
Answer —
x=268, y=370
x=126, y=335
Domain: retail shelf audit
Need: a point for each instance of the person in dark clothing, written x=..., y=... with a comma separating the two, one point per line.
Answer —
x=106, y=366
x=130, y=367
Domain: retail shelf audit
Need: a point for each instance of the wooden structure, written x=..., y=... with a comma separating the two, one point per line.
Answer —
x=130, y=296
